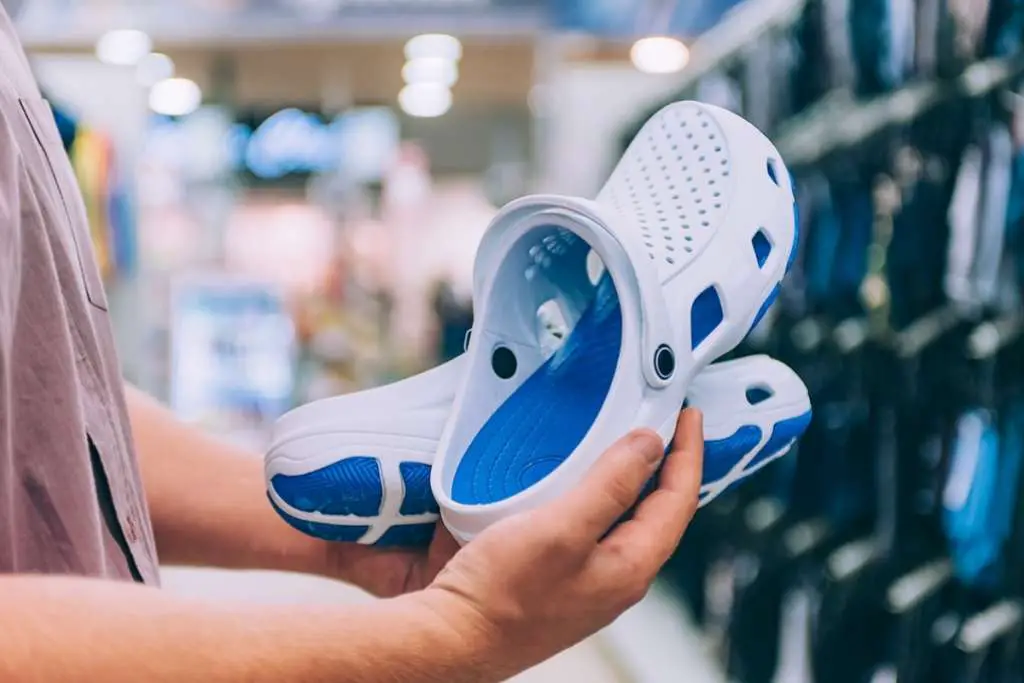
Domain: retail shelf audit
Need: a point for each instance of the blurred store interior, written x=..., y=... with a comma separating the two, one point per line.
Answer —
x=286, y=198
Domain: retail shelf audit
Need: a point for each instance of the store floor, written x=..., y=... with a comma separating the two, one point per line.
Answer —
x=586, y=662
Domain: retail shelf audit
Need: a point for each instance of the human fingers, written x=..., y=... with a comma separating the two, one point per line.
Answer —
x=610, y=489
x=653, y=533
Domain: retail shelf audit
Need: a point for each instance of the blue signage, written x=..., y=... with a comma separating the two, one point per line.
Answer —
x=360, y=143
x=636, y=18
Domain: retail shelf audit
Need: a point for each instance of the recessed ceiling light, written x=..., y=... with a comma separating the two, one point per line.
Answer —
x=175, y=97
x=425, y=100
x=659, y=55
x=433, y=45
x=431, y=70
x=123, y=47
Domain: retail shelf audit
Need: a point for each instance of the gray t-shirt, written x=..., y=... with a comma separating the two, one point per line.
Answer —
x=71, y=500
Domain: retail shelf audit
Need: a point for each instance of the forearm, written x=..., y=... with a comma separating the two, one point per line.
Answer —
x=207, y=498
x=88, y=630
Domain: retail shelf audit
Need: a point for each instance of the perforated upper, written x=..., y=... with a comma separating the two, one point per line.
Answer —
x=674, y=182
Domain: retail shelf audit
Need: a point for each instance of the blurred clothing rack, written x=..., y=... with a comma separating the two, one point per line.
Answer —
x=812, y=135
x=739, y=29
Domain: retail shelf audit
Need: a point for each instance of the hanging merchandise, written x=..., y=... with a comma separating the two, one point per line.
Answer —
x=1005, y=26
x=91, y=159
x=878, y=44
x=104, y=192
x=892, y=547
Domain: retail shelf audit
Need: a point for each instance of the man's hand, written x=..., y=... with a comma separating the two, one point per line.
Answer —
x=385, y=572
x=537, y=583
x=231, y=525
x=227, y=521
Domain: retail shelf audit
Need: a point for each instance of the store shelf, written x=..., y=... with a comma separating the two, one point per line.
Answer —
x=839, y=122
x=657, y=642
x=737, y=31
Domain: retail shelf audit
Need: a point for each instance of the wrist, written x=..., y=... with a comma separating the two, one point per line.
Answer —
x=466, y=637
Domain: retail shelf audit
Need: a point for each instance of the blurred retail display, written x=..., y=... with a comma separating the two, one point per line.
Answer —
x=232, y=354
x=890, y=548
x=107, y=202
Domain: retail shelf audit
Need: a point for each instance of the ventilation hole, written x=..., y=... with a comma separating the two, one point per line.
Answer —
x=705, y=316
x=664, y=362
x=671, y=261
x=758, y=394
x=762, y=247
x=771, y=172
x=503, y=362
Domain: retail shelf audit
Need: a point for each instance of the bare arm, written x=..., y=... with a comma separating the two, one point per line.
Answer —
x=208, y=499
x=64, y=629
x=525, y=589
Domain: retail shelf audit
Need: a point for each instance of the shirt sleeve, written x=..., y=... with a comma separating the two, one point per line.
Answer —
x=11, y=183
x=12, y=175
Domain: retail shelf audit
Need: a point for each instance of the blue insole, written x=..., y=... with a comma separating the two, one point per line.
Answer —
x=545, y=419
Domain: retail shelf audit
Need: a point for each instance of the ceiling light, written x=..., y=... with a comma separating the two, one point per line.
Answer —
x=659, y=55
x=433, y=45
x=153, y=68
x=175, y=97
x=425, y=100
x=431, y=70
x=123, y=47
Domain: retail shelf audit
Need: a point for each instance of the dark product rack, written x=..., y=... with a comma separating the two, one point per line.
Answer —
x=891, y=545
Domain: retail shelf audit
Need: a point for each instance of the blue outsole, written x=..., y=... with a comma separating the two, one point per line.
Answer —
x=720, y=457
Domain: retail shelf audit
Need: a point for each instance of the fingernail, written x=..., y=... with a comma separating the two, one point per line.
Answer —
x=650, y=446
